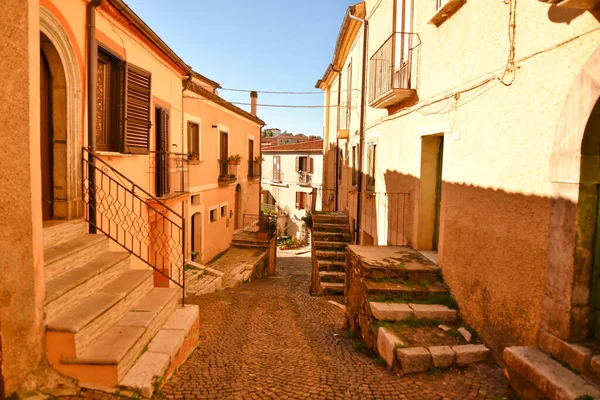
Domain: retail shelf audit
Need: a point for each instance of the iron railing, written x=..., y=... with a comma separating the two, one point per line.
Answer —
x=137, y=221
x=265, y=224
x=304, y=178
x=253, y=169
x=170, y=170
x=391, y=65
x=227, y=172
x=277, y=176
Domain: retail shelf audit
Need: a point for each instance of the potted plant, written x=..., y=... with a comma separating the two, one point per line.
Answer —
x=259, y=159
x=263, y=227
x=234, y=159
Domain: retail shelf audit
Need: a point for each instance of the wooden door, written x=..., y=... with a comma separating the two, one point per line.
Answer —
x=46, y=137
x=224, y=152
x=438, y=194
x=162, y=152
x=236, y=210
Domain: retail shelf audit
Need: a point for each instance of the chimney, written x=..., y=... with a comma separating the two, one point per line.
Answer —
x=253, y=100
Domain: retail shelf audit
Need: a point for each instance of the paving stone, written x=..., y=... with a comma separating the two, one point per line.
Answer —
x=413, y=359
x=470, y=353
x=434, y=311
x=390, y=311
x=386, y=345
x=442, y=356
x=214, y=272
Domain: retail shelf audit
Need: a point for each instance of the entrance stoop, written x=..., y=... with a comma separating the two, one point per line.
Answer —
x=107, y=325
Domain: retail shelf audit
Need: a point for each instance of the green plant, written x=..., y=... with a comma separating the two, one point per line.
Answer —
x=434, y=371
x=415, y=322
x=443, y=298
x=350, y=334
x=425, y=283
x=234, y=159
x=381, y=361
x=453, y=332
x=400, y=345
x=308, y=220
x=359, y=346
x=584, y=397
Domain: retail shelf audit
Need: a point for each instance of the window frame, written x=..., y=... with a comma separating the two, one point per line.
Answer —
x=214, y=209
x=113, y=101
x=371, y=166
x=223, y=210
x=193, y=146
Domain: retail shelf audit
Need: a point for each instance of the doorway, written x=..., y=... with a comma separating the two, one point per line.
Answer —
x=46, y=138
x=224, y=153
x=438, y=193
x=162, y=152
x=430, y=192
x=237, y=209
x=197, y=237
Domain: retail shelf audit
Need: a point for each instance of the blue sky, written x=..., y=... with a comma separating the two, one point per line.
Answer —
x=272, y=45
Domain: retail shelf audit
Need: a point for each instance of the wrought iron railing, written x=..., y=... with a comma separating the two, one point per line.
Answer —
x=277, y=176
x=304, y=178
x=171, y=172
x=261, y=224
x=391, y=65
x=137, y=221
x=227, y=172
x=253, y=169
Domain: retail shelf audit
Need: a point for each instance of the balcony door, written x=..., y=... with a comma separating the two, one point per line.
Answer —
x=224, y=151
x=277, y=168
x=162, y=151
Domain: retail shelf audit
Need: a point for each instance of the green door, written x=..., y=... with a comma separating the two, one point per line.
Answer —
x=438, y=194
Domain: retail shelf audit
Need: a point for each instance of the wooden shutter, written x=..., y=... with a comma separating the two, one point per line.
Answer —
x=297, y=164
x=298, y=200
x=311, y=165
x=137, y=110
x=165, y=149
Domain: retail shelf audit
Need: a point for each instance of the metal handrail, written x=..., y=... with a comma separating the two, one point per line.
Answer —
x=134, y=219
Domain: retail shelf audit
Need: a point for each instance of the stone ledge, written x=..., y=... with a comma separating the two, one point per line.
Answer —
x=442, y=356
x=470, y=353
x=413, y=359
x=386, y=345
x=390, y=311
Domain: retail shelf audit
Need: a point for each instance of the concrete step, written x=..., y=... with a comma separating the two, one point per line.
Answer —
x=412, y=273
x=401, y=311
x=417, y=292
x=91, y=316
x=249, y=245
x=331, y=227
x=534, y=375
x=108, y=358
x=329, y=255
x=333, y=277
x=67, y=289
x=75, y=252
x=332, y=288
x=331, y=266
x=171, y=346
x=332, y=237
x=325, y=245
x=58, y=231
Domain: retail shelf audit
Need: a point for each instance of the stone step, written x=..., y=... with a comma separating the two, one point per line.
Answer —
x=413, y=273
x=324, y=245
x=331, y=255
x=206, y=284
x=332, y=288
x=331, y=266
x=249, y=245
x=400, y=311
x=75, y=252
x=338, y=228
x=327, y=276
x=171, y=346
x=67, y=289
x=534, y=375
x=332, y=237
x=87, y=319
x=192, y=276
x=106, y=361
x=58, y=231
x=417, y=292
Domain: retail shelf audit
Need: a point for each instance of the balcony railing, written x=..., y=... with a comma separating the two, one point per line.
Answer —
x=390, y=78
x=171, y=172
x=253, y=170
x=277, y=176
x=304, y=178
x=227, y=173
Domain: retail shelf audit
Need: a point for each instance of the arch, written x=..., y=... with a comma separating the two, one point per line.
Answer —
x=574, y=178
x=67, y=116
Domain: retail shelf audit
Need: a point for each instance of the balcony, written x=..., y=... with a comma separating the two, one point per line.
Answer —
x=171, y=173
x=390, y=69
x=253, y=170
x=304, y=178
x=277, y=176
x=227, y=173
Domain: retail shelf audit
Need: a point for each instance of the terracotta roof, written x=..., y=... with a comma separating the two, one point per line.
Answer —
x=219, y=100
x=313, y=145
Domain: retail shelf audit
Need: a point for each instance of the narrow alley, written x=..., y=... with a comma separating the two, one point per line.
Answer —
x=271, y=339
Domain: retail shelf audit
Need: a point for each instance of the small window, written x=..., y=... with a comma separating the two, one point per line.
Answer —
x=223, y=211
x=213, y=215
x=193, y=141
x=304, y=164
x=301, y=200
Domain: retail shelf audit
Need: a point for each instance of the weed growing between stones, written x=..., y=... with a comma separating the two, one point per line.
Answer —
x=350, y=334
x=434, y=371
x=381, y=361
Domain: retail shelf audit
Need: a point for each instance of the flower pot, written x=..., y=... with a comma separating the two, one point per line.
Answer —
x=263, y=235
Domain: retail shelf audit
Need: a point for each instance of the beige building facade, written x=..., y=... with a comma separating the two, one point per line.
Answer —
x=480, y=116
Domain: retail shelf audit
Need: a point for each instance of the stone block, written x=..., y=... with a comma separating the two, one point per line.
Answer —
x=465, y=334
x=214, y=272
x=595, y=365
x=145, y=371
x=413, y=359
x=218, y=283
x=434, y=311
x=442, y=356
x=246, y=276
x=183, y=318
x=390, y=311
x=577, y=356
x=470, y=353
x=167, y=341
x=386, y=345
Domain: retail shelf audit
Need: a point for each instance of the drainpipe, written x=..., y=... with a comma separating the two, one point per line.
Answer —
x=337, y=136
x=91, y=100
x=362, y=123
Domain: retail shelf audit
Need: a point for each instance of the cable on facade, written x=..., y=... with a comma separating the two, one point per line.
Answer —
x=509, y=75
x=280, y=92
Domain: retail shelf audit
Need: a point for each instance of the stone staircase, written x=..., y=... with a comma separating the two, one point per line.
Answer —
x=330, y=236
x=399, y=306
x=107, y=325
x=200, y=279
x=556, y=369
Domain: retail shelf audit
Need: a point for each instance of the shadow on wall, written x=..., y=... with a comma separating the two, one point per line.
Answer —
x=564, y=15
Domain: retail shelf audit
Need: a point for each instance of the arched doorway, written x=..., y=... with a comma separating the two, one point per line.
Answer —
x=571, y=304
x=237, y=213
x=197, y=237
x=60, y=78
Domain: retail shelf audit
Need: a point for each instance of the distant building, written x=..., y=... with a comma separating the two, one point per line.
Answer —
x=271, y=132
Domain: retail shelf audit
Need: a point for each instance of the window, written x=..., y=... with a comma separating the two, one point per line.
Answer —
x=305, y=164
x=161, y=128
x=354, y=165
x=224, y=153
x=213, y=215
x=301, y=200
x=193, y=130
x=251, y=162
x=349, y=95
x=224, y=211
x=371, y=154
x=277, y=176
x=122, y=125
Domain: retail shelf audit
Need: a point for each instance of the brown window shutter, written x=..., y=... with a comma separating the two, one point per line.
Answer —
x=165, y=149
x=137, y=110
x=299, y=200
x=297, y=164
x=311, y=165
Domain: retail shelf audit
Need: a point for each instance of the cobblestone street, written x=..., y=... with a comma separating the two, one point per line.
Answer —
x=271, y=339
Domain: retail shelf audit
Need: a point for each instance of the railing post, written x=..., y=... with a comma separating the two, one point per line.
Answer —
x=92, y=193
x=183, y=227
